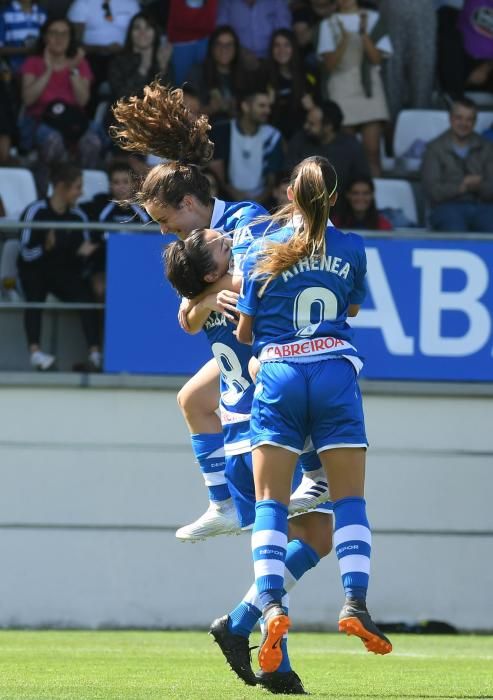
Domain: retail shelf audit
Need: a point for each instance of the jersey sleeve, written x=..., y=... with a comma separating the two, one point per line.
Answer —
x=358, y=292
x=248, y=301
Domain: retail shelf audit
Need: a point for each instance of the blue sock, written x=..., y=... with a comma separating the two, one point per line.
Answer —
x=300, y=558
x=208, y=449
x=352, y=543
x=269, y=544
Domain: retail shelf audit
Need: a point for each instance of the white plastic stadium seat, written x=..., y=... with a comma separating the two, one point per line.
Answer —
x=93, y=182
x=425, y=125
x=396, y=194
x=17, y=190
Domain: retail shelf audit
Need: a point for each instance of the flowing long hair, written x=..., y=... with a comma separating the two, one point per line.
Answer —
x=161, y=124
x=314, y=182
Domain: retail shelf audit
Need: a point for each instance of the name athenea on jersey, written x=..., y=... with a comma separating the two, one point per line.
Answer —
x=316, y=346
x=327, y=263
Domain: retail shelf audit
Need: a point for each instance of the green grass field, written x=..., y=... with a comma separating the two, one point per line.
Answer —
x=151, y=665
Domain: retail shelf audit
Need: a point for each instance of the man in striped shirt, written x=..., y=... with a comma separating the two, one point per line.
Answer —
x=20, y=24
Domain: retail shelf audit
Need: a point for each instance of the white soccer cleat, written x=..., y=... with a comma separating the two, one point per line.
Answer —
x=42, y=361
x=219, y=519
x=308, y=495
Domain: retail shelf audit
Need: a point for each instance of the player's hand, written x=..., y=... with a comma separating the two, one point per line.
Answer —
x=185, y=306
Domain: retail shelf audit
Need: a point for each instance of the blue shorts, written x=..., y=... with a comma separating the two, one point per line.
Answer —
x=239, y=473
x=319, y=399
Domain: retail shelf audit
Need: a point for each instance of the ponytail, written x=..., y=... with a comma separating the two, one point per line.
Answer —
x=160, y=123
x=314, y=182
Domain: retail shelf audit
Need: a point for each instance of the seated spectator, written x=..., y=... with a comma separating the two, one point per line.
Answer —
x=357, y=209
x=220, y=77
x=101, y=27
x=248, y=152
x=55, y=91
x=190, y=24
x=141, y=61
x=280, y=191
x=322, y=136
x=457, y=174
x=115, y=208
x=352, y=44
x=288, y=83
x=20, y=25
x=254, y=21
x=50, y=261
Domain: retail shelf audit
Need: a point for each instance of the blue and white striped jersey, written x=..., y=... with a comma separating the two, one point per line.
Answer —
x=234, y=218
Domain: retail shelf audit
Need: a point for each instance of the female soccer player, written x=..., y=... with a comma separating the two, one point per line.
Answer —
x=204, y=257
x=176, y=194
x=300, y=285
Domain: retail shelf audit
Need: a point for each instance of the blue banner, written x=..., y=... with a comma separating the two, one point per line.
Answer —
x=428, y=314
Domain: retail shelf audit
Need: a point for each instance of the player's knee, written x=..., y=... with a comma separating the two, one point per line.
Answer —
x=183, y=400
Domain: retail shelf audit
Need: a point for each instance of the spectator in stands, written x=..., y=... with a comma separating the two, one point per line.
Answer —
x=322, y=136
x=220, y=77
x=457, y=174
x=248, y=151
x=101, y=26
x=117, y=208
x=352, y=44
x=254, y=21
x=411, y=67
x=142, y=60
x=358, y=209
x=190, y=24
x=55, y=91
x=476, y=26
x=289, y=86
x=50, y=261
x=20, y=25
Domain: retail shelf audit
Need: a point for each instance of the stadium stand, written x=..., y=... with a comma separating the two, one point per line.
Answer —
x=17, y=190
x=423, y=125
x=93, y=182
x=396, y=194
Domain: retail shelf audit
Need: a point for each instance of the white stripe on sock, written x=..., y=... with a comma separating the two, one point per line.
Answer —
x=268, y=567
x=214, y=479
x=352, y=532
x=354, y=563
x=266, y=537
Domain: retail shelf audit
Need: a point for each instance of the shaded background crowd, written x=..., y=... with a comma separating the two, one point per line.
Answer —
x=279, y=79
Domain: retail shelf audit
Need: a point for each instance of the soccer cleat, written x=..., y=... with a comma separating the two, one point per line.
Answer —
x=219, y=519
x=235, y=649
x=308, y=495
x=276, y=624
x=42, y=361
x=354, y=619
x=281, y=683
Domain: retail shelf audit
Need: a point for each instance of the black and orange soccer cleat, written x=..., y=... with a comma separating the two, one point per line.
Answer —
x=354, y=619
x=276, y=624
x=235, y=649
x=281, y=683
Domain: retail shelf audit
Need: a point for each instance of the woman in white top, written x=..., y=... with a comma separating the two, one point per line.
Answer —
x=352, y=44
